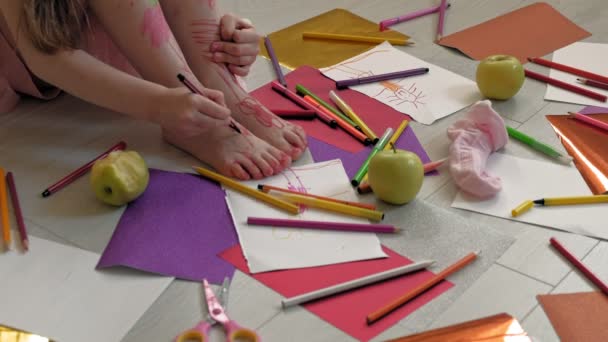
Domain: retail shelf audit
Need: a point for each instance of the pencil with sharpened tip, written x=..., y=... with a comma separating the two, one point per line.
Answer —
x=590, y=120
x=355, y=38
x=593, y=83
x=565, y=85
x=233, y=184
x=386, y=23
x=267, y=188
x=275, y=61
x=6, y=229
x=569, y=69
x=537, y=145
x=10, y=180
x=343, y=84
x=81, y=171
x=440, y=22
x=323, y=225
x=379, y=146
x=332, y=206
x=303, y=91
x=353, y=116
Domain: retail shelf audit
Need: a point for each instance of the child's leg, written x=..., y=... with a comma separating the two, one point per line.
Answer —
x=195, y=24
x=139, y=29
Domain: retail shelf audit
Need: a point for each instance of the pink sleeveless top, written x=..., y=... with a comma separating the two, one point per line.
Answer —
x=16, y=80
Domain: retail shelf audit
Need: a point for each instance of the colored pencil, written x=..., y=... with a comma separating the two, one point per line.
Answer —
x=195, y=90
x=300, y=89
x=341, y=123
x=355, y=283
x=572, y=200
x=379, y=146
x=275, y=61
x=569, y=69
x=266, y=188
x=385, y=310
x=365, y=188
x=6, y=228
x=565, y=86
x=588, y=119
x=17, y=209
x=279, y=88
x=386, y=23
x=353, y=116
x=301, y=114
x=522, y=208
x=323, y=225
x=593, y=83
x=381, y=77
x=355, y=38
x=434, y=165
x=228, y=182
x=440, y=22
x=388, y=146
x=537, y=145
x=578, y=264
x=80, y=171
x=333, y=206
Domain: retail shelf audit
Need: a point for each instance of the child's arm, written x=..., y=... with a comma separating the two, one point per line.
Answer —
x=82, y=75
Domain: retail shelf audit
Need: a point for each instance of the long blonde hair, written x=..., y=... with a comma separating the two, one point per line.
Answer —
x=53, y=25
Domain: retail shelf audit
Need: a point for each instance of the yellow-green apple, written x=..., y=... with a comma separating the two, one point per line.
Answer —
x=120, y=177
x=500, y=76
x=395, y=175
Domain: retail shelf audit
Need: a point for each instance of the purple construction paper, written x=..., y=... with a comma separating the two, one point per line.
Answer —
x=593, y=110
x=176, y=228
x=322, y=151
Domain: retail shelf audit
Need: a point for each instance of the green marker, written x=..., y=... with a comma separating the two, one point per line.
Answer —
x=537, y=145
x=378, y=147
x=301, y=90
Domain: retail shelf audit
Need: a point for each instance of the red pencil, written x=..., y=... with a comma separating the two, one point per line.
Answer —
x=17, y=208
x=578, y=264
x=81, y=171
x=566, y=86
x=593, y=83
x=569, y=69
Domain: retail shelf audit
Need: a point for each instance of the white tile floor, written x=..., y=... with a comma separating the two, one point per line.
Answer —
x=41, y=142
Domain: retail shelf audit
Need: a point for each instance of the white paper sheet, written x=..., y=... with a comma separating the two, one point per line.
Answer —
x=54, y=290
x=425, y=98
x=271, y=248
x=525, y=179
x=590, y=57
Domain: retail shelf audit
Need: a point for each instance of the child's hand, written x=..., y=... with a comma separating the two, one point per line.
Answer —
x=239, y=46
x=186, y=114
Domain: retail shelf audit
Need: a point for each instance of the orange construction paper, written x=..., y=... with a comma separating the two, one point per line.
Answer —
x=588, y=145
x=293, y=51
x=497, y=328
x=531, y=31
x=579, y=316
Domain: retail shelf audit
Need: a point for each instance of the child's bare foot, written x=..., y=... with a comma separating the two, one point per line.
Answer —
x=248, y=111
x=243, y=156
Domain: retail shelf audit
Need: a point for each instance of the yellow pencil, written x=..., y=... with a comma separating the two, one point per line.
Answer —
x=333, y=206
x=353, y=116
x=6, y=229
x=289, y=207
x=391, y=142
x=355, y=38
x=573, y=200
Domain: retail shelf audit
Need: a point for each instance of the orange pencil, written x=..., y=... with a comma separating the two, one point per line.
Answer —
x=385, y=310
x=267, y=188
x=6, y=229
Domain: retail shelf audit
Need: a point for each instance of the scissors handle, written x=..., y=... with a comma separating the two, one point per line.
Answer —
x=198, y=333
x=236, y=333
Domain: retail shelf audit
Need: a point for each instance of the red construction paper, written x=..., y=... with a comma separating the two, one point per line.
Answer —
x=375, y=114
x=347, y=311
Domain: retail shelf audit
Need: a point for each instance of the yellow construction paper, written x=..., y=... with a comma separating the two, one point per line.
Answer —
x=293, y=51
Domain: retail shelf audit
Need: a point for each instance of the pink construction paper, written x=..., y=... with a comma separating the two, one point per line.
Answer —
x=375, y=114
x=347, y=311
x=176, y=228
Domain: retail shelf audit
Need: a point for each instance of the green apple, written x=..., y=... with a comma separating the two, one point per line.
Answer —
x=500, y=76
x=120, y=177
x=395, y=175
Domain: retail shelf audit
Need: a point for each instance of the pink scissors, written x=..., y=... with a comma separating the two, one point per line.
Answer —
x=217, y=314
